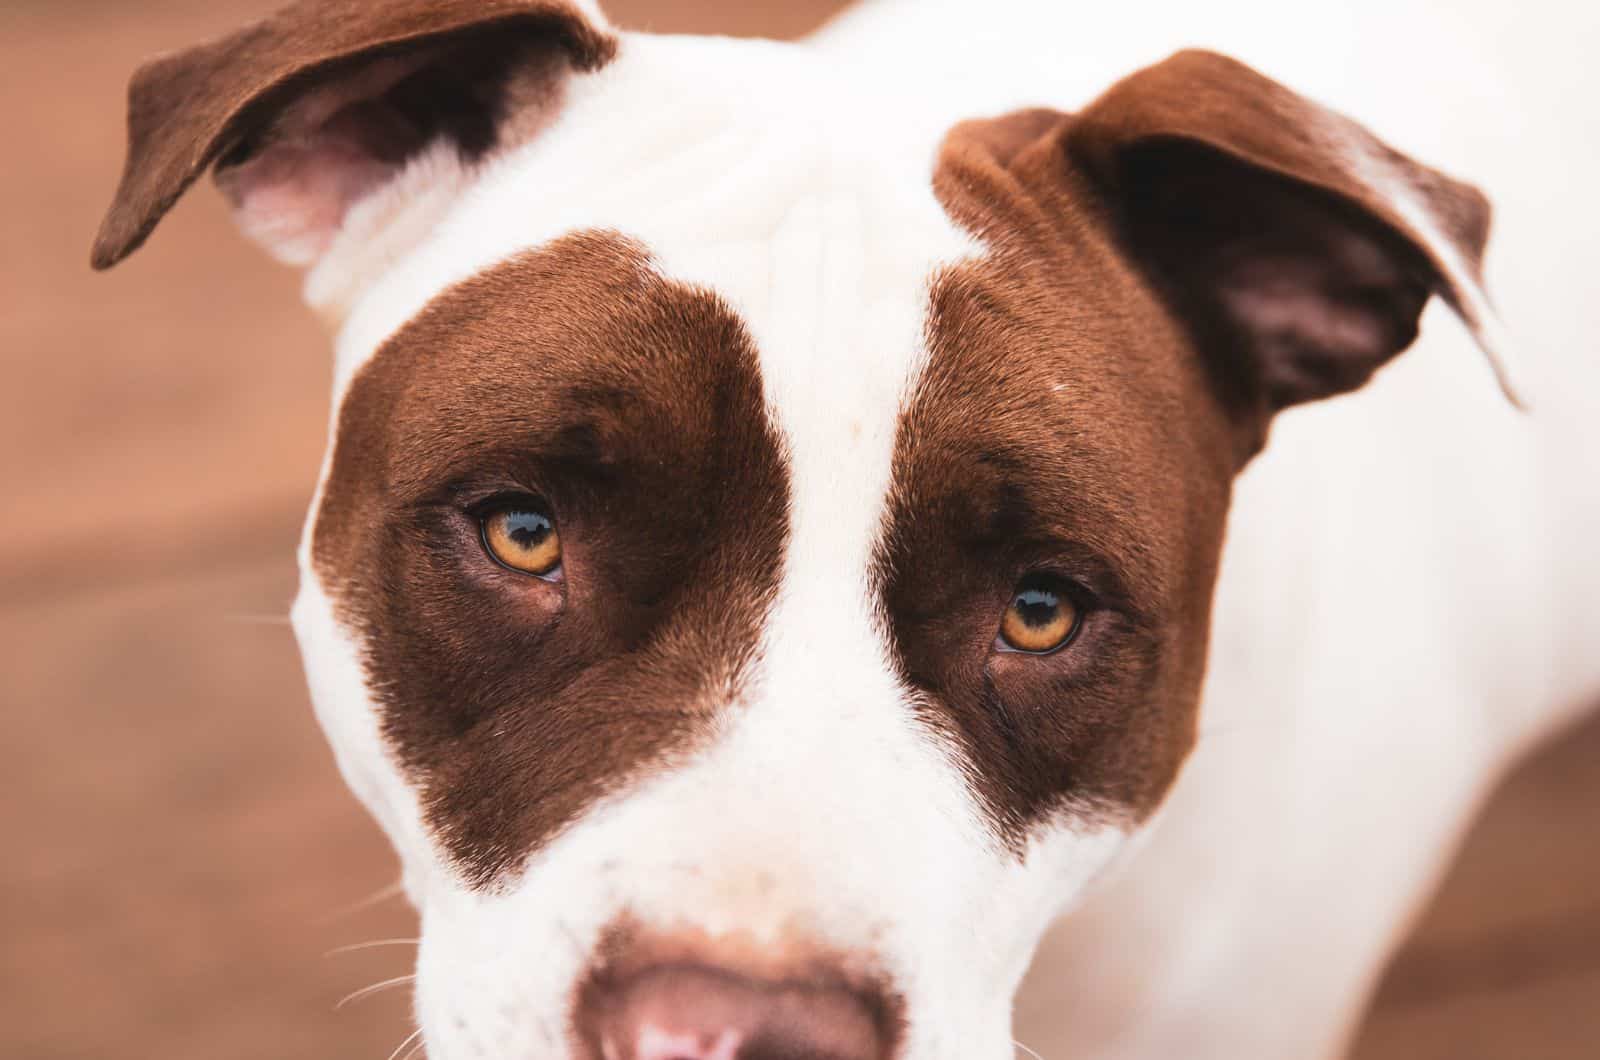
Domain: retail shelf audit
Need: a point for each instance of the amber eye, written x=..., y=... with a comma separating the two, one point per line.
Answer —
x=523, y=536
x=1040, y=618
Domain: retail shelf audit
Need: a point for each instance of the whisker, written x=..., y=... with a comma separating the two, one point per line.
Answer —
x=415, y=1050
x=1024, y=1048
x=375, y=988
x=374, y=944
x=410, y=1038
x=383, y=894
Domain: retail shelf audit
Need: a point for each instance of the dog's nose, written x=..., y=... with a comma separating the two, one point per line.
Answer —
x=696, y=1012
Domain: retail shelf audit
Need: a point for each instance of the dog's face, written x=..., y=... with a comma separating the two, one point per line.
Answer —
x=762, y=567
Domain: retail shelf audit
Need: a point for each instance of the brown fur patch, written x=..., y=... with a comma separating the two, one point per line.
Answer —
x=1061, y=424
x=1196, y=250
x=187, y=110
x=634, y=406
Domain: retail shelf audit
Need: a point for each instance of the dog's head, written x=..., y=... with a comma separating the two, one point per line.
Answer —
x=762, y=565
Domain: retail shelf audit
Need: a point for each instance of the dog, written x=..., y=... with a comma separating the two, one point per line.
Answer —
x=773, y=578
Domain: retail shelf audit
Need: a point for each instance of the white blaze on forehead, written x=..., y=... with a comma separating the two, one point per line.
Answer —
x=690, y=146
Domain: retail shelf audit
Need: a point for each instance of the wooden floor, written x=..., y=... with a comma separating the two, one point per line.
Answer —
x=180, y=853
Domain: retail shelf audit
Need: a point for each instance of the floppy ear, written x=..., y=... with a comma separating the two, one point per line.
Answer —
x=317, y=107
x=1297, y=248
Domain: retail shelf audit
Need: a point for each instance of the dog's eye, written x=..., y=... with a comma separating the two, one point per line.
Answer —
x=522, y=535
x=1041, y=617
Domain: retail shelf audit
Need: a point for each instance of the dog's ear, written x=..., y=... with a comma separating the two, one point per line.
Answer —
x=314, y=109
x=1298, y=249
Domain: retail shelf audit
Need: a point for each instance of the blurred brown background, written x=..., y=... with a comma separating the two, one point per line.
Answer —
x=179, y=854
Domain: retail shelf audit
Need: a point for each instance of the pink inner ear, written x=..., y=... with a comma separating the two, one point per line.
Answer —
x=333, y=147
x=293, y=195
x=1321, y=312
x=1296, y=305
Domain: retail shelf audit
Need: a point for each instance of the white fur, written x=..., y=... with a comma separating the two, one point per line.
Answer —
x=1394, y=618
x=1405, y=597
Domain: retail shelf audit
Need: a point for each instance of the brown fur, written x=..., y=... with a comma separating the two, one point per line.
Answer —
x=186, y=111
x=634, y=406
x=1092, y=388
x=1235, y=194
x=1061, y=424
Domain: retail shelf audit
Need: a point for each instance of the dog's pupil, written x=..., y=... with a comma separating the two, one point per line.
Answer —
x=1038, y=607
x=528, y=529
